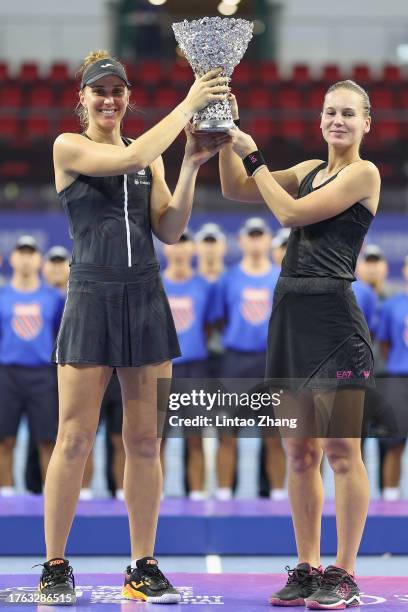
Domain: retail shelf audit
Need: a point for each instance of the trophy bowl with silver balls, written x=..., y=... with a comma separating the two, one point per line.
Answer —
x=208, y=43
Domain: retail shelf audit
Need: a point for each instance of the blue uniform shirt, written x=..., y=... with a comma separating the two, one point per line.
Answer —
x=367, y=300
x=29, y=323
x=192, y=306
x=393, y=328
x=246, y=302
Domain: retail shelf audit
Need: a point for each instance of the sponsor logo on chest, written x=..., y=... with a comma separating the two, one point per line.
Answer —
x=182, y=309
x=255, y=305
x=27, y=321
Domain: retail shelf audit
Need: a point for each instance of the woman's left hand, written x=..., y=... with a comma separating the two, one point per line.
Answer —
x=201, y=147
x=242, y=144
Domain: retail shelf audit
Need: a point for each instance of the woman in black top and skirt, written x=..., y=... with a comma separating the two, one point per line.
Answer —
x=318, y=337
x=116, y=313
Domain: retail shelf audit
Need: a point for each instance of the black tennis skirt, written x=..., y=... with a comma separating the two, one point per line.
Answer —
x=318, y=337
x=118, y=317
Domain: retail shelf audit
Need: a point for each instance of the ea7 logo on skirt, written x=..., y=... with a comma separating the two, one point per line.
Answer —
x=183, y=312
x=255, y=305
x=27, y=321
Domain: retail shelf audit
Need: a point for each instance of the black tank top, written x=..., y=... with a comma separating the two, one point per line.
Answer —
x=109, y=219
x=328, y=248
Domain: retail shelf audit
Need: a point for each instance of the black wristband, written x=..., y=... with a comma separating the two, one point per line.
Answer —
x=237, y=122
x=253, y=162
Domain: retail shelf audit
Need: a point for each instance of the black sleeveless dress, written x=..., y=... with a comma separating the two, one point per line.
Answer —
x=116, y=312
x=318, y=337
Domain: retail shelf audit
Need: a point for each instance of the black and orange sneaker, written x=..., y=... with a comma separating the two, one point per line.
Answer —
x=337, y=591
x=57, y=583
x=303, y=580
x=147, y=583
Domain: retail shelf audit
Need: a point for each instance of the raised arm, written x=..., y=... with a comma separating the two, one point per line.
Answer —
x=359, y=182
x=235, y=183
x=170, y=213
x=77, y=155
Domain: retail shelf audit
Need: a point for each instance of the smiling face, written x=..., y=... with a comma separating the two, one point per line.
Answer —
x=344, y=119
x=106, y=101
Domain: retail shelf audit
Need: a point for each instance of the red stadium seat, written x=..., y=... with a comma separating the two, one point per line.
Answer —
x=268, y=74
x=361, y=74
x=11, y=96
x=382, y=98
x=391, y=75
x=148, y=72
x=331, y=74
x=403, y=98
x=166, y=97
x=134, y=125
x=69, y=124
x=315, y=98
x=388, y=132
x=4, y=72
x=139, y=97
x=40, y=96
x=243, y=74
x=69, y=97
x=180, y=75
x=59, y=73
x=292, y=129
x=289, y=98
x=300, y=75
x=258, y=98
x=262, y=129
x=37, y=128
x=9, y=128
x=29, y=72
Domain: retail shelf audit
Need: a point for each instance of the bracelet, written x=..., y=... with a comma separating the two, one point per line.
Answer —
x=237, y=122
x=253, y=162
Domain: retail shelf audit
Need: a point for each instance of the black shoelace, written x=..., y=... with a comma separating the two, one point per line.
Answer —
x=152, y=571
x=57, y=575
x=294, y=575
x=331, y=580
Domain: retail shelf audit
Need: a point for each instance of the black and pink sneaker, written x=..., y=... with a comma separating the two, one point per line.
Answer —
x=302, y=582
x=337, y=591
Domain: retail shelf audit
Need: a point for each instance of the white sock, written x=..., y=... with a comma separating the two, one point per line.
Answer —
x=133, y=563
x=7, y=491
x=391, y=494
x=278, y=494
x=86, y=494
x=197, y=495
x=120, y=494
x=223, y=493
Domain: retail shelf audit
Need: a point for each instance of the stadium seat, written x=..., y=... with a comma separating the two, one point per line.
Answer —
x=139, y=97
x=148, y=72
x=330, y=74
x=391, y=75
x=289, y=98
x=11, y=96
x=9, y=127
x=267, y=74
x=134, y=125
x=59, y=73
x=242, y=75
x=68, y=124
x=37, y=128
x=40, y=96
x=166, y=97
x=69, y=97
x=300, y=75
x=258, y=98
x=28, y=73
x=292, y=129
x=361, y=74
x=4, y=72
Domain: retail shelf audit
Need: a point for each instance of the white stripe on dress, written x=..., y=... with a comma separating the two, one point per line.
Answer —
x=125, y=205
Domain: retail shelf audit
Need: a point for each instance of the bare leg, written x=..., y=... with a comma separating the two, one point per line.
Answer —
x=275, y=463
x=226, y=461
x=6, y=462
x=118, y=466
x=45, y=450
x=81, y=389
x=88, y=471
x=305, y=488
x=195, y=463
x=392, y=466
x=143, y=474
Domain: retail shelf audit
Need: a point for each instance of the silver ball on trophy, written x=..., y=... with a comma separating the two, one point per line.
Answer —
x=208, y=43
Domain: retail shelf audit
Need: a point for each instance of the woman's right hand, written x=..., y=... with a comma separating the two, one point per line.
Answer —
x=208, y=88
x=234, y=106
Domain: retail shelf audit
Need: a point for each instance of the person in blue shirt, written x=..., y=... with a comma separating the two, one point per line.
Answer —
x=367, y=300
x=392, y=333
x=30, y=313
x=193, y=308
x=246, y=294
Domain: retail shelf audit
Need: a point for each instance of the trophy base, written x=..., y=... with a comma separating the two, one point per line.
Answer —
x=213, y=125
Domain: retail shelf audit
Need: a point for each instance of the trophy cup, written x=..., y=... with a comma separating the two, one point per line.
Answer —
x=208, y=43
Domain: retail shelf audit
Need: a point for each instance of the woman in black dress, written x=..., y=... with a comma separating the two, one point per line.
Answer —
x=318, y=336
x=116, y=314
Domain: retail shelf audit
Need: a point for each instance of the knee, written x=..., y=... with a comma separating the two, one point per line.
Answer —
x=141, y=446
x=75, y=444
x=302, y=458
x=341, y=456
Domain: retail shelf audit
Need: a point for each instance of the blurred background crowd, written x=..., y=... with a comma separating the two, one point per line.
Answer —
x=232, y=250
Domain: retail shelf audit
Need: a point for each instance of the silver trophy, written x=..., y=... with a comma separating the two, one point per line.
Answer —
x=208, y=43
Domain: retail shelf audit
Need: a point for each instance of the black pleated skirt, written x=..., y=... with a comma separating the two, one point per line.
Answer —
x=118, y=317
x=318, y=336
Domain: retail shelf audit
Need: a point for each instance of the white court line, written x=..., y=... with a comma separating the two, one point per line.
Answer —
x=213, y=563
